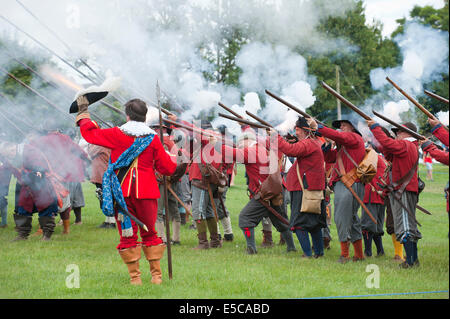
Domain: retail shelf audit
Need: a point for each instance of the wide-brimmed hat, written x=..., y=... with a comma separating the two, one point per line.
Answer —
x=409, y=125
x=337, y=124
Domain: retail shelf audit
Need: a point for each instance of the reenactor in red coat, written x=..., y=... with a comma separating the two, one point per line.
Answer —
x=310, y=166
x=350, y=149
x=405, y=194
x=138, y=186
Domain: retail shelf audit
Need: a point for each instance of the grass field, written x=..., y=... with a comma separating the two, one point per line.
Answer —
x=35, y=269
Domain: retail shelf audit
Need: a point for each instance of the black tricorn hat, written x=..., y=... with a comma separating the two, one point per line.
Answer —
x=409, y=125
x=92, y=97
x=337, y=124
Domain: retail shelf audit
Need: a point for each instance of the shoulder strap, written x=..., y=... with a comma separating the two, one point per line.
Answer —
x=298, y=176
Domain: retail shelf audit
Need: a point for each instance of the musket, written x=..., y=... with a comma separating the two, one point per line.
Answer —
x=230, y=110
x=419, y=106
x=199, y=131
x=410, y=132
x=296, y=109
x=437, y=97
x=166, y=199
x=243, y=121
x=260, y=120
x=345, y=101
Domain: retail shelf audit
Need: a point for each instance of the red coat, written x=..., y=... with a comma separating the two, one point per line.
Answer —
x=437, y=154
x=370, y=193
x=441, y=133
x=309, y=157
x=154, y=157
x=256, y=163
x=404, y=156
x=353, y=143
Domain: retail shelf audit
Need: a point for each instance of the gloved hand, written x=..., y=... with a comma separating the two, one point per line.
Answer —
x=83, y=104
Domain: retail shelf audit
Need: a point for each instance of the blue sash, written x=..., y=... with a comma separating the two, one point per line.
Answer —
x=112, y=191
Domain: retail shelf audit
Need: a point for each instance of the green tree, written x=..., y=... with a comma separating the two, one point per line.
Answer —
x=368, y=50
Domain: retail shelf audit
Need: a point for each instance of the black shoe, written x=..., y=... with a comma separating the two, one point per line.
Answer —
x=175, y=242
x=228, y=237
x=111, y=225
x=251, y=250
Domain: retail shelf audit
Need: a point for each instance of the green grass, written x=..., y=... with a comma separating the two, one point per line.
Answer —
x=35, y=269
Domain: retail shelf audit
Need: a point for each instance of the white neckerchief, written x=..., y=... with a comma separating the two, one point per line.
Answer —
x=135, y=128
x=411, y=139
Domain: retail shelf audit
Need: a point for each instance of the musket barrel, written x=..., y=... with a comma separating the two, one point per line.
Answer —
x=230, y=110
x=258, y=119
x=243, y=121
x=437, y=97
x=411, y=132
x=293, y=107
x=345, y=101
x=420, y=106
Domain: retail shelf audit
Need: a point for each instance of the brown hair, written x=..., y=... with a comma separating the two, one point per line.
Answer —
x=136, y=109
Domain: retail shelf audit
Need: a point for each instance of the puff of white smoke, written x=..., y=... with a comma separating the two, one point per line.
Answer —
x=425, y=55
x=152, y=116
x=443, y=117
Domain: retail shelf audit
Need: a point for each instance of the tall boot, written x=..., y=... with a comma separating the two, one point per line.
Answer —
x=267, y=238
x=176, y=232
x=161, y=230
x=201, y=234
x=154, y=255
x=249, y=234
x=287, y=236
x=131, y=257
x=213, y=232
x=23, y=226
x=47, y=224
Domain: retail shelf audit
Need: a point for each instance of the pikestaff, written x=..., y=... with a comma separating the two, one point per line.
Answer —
x=419, y=106
x=166, y=199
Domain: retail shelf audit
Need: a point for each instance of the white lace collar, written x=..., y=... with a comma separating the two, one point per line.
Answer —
x=135, y=128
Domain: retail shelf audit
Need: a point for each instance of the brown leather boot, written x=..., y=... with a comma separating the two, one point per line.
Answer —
x=130, y=257
x=202, y=241
x=66, y=225
x=153, y=255
x=215, y=241
x=267, y=239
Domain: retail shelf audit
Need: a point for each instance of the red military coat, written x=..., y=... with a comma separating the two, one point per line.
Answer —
x=309, y=157
x=441, y=133
x=154, y=157
x=353, y=143
x=371, y=189
x=256, y=163
x=404, y=156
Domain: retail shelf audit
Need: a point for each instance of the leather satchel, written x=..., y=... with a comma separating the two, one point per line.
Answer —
x=311, y=200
